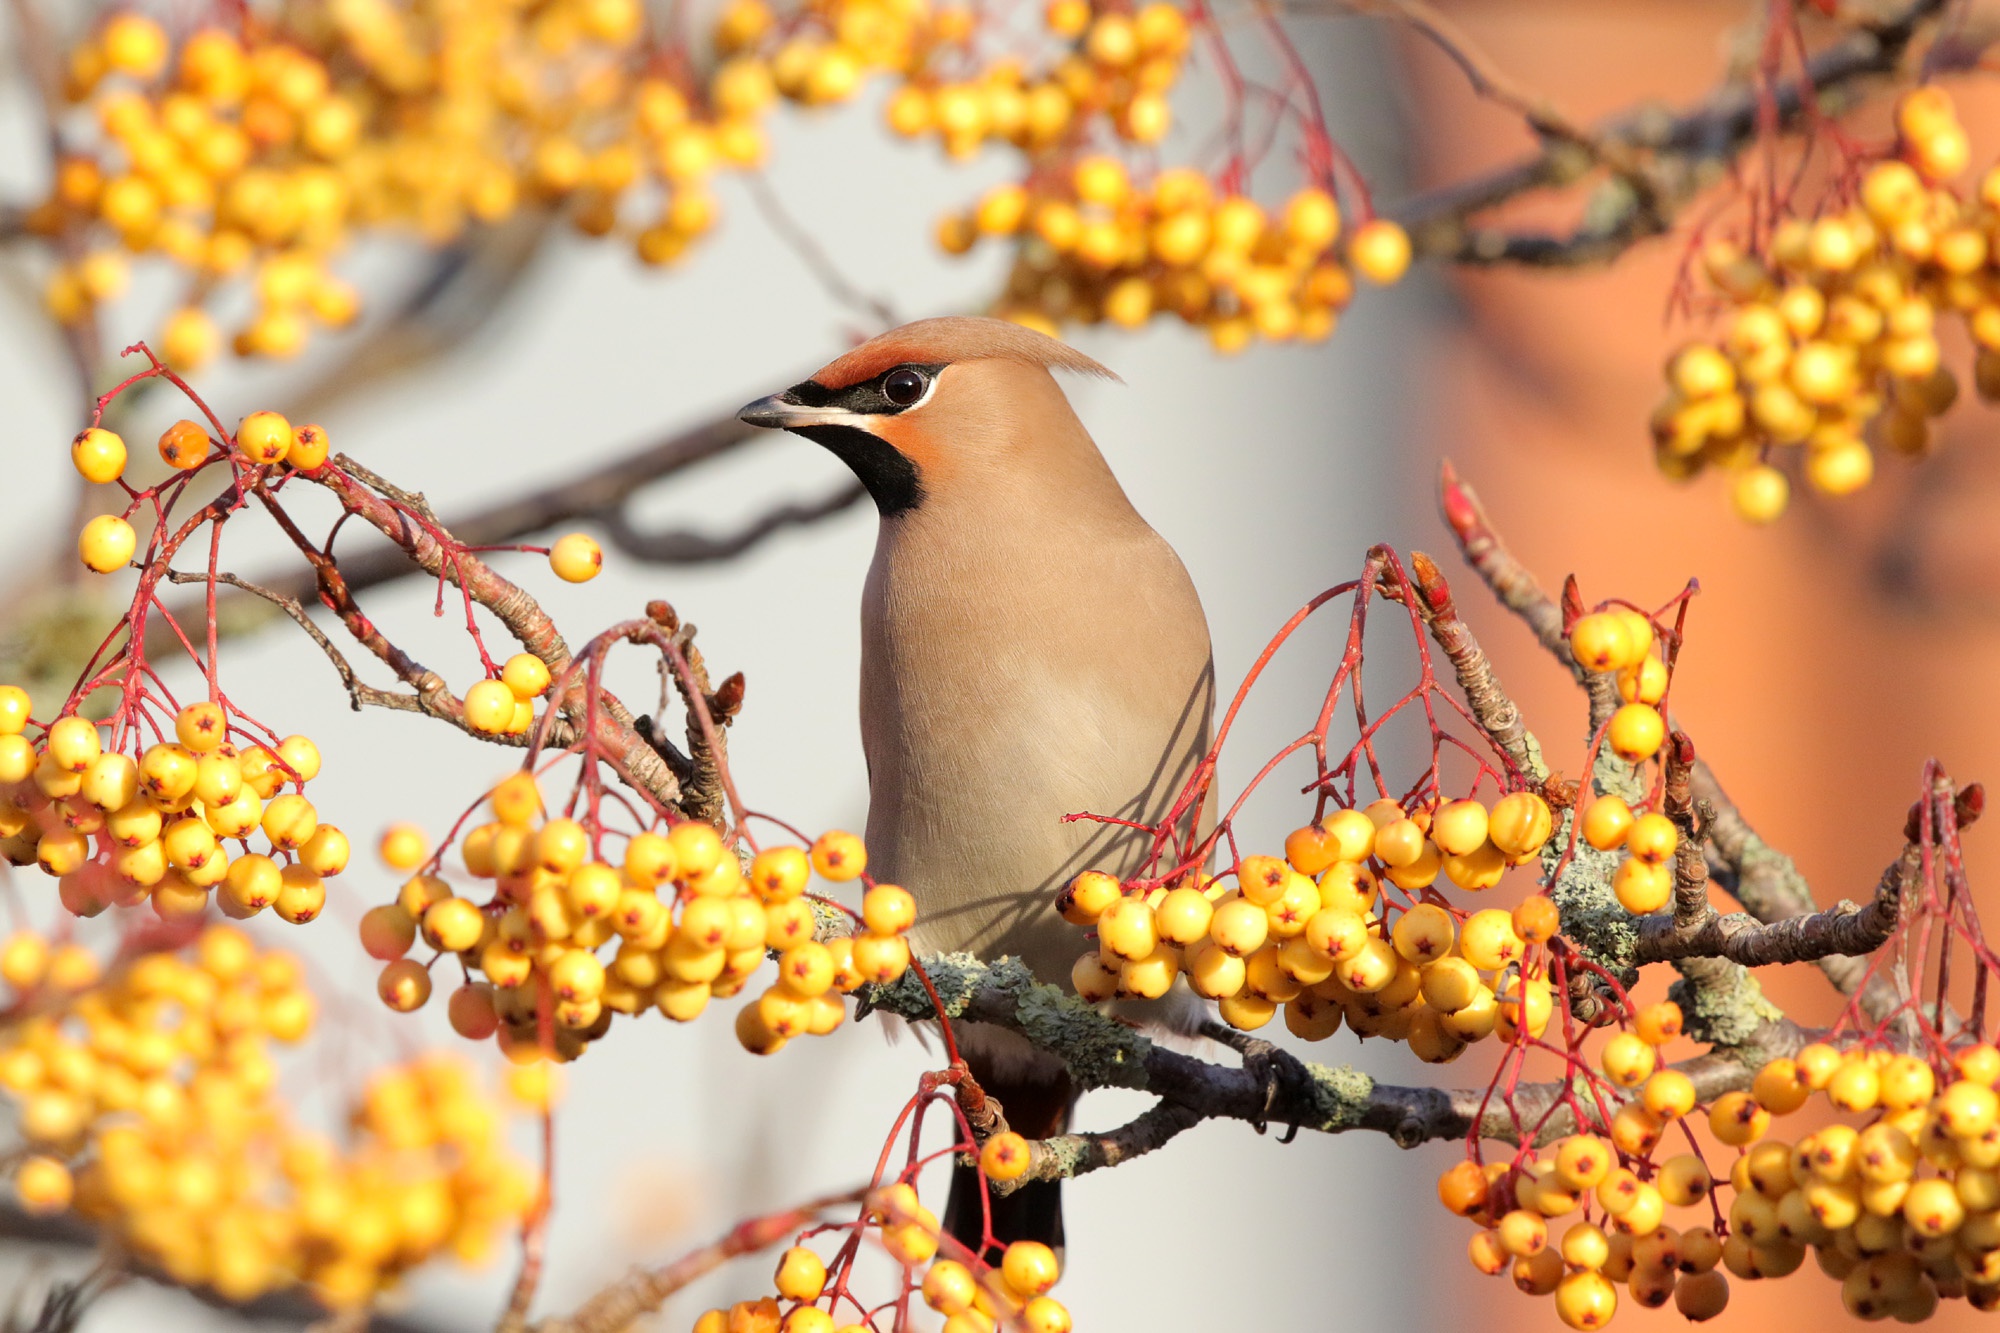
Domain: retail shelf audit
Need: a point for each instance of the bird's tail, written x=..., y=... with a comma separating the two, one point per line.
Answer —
x=973, y=1214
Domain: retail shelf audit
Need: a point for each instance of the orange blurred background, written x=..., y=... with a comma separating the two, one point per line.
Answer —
x=1830, y=655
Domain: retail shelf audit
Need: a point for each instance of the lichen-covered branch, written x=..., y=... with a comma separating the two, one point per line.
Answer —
x=1067, y=1155
x=1100, y=1051
x=1497, y=714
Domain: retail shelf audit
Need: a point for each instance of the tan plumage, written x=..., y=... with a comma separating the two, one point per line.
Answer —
x=1030, y=649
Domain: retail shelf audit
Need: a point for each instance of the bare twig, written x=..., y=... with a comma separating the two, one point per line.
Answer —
x=646, y=1290
x=1516, y=587
x=1495, y=711
x=680, y=546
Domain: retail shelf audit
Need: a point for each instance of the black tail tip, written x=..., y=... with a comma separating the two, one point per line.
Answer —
x=1032, y=1212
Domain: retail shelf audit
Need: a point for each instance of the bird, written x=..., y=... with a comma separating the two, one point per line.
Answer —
x=1030, y=648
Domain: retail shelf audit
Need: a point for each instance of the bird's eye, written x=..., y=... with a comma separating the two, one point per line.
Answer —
x=903, y=385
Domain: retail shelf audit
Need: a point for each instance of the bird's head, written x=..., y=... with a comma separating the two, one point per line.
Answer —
x=909, y=410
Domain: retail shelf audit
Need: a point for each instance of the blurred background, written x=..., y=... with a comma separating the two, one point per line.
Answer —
x=1830, y=654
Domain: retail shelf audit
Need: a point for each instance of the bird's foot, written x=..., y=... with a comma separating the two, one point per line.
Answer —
x=1283, y=1074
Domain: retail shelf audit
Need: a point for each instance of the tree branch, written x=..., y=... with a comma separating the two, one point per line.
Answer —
x=1845, y=930
x=1102, y=1052
x=1673, y=154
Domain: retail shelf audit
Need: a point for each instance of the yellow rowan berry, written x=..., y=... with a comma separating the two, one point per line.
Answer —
x=99, y=455
x=1521, y=1233
x=1906, y=1082
x=1652, y=838
x=1488, y=942
x=1424, y=933
x=43, y=1185
x=1840, y=467
x=888, y=909
x=949, y=1288
x=1641, y=887
x=1238, y=926
x=1668, y=1094
x=1736, y=1119
x=1094, y=982
x=1932, y=1209
x=1586, y=1300
x=1519, y=824
x=1536, y=919
x=1029, y=1267
x=1005, y=1157
x=576, y=558
x=489, y=707
x=1635, y=732
x=1606, y=822
x=289, y=820
x=1968, y=1108
x=1183, y=915
x=526, y=675
x=801, y=1274
x=1126, y=929
x=404, y=985
x=881, y=958
x=839, y=856
x=1855, y=1086
x=1602, y=641
x=264, y=438
x=1380, y=251
x=106, y=543
x=1627, y=1060
x=1459, y=827
x=403, y=847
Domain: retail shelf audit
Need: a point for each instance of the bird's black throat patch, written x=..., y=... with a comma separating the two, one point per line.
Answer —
x=891, y=478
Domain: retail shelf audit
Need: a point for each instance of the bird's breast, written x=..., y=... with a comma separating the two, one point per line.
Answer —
x=1005, y=687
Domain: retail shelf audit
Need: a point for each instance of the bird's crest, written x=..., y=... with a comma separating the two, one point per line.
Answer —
x=952, y=338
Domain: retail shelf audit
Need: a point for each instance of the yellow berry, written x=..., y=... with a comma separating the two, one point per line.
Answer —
x=1005, y=1157
x=1380, y=251
x=576, y=558
x=839, y=856
x=1635, y=732
x=99, y=455
x=106, y=543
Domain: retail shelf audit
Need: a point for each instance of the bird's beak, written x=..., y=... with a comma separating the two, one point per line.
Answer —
x=783, y=411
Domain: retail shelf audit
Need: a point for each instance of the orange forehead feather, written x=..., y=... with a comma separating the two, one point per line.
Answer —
x=951, y=339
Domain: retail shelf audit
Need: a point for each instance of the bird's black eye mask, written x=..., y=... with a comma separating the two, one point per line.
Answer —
x=895, y=390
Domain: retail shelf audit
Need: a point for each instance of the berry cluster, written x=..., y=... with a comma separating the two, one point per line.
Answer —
x=1093, y=246
x=150, y=1104
x=1621, y=641
x=1834, y=332
x=1902, y=1211
x=1619, y=1195
x=1312, y=931
x=253, y=158
x=973, y=1297
x=689, y=920
x=118, y=828
x=263, y=440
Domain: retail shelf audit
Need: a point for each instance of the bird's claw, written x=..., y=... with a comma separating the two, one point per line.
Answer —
x=1283, y=1074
